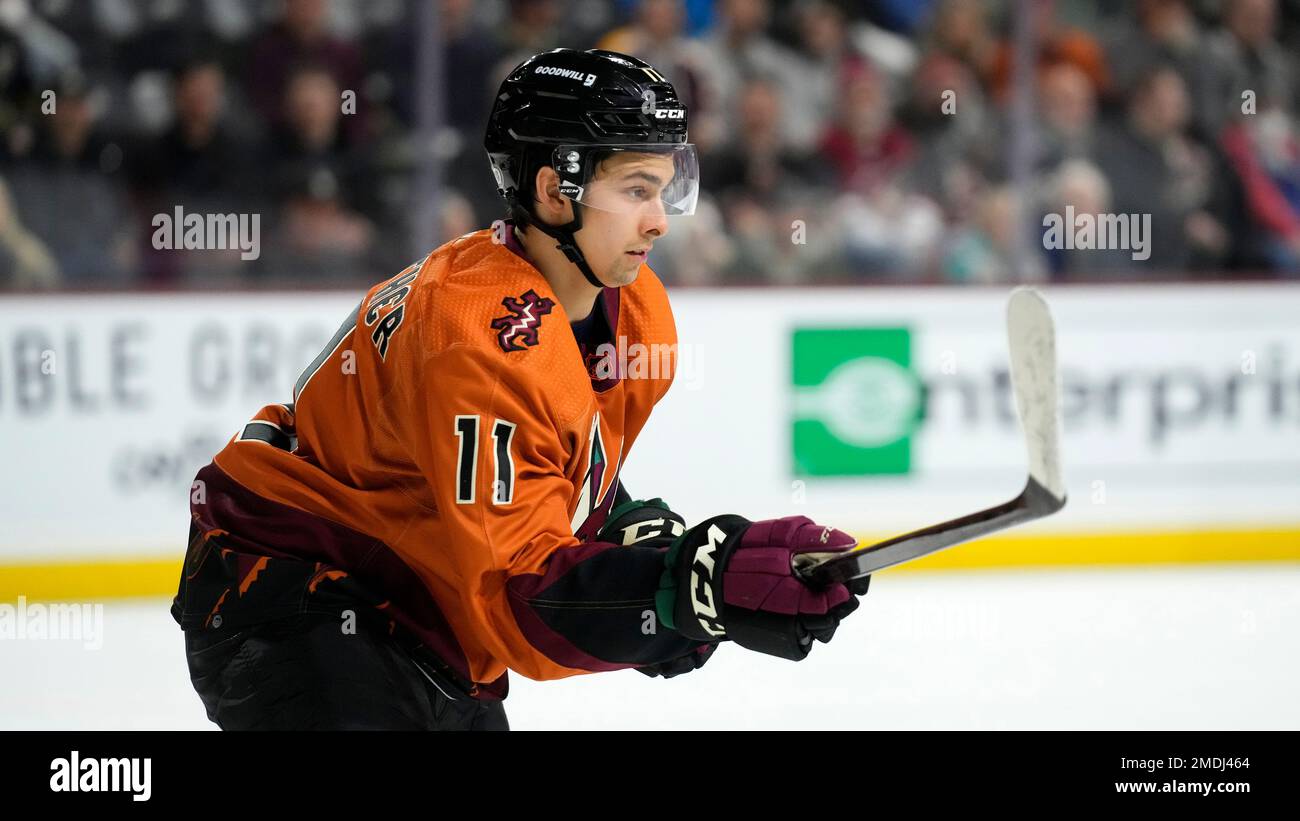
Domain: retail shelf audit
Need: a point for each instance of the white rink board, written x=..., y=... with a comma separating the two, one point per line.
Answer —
x=100, y=455
x=1162, y=428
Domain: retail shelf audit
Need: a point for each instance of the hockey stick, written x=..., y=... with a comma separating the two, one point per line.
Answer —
x=1031, y=339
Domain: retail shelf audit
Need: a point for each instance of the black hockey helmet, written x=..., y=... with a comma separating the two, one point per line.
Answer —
x=572, y=109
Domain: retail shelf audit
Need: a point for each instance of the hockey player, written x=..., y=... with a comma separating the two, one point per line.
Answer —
x=441, y=502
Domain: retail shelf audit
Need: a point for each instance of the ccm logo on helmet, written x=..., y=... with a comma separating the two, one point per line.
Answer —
x=567, y=73
x=670, y=113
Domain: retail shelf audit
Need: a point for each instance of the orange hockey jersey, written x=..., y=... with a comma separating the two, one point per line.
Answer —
x=446, y=460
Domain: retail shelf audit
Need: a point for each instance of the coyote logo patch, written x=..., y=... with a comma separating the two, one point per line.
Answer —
x=518, y=329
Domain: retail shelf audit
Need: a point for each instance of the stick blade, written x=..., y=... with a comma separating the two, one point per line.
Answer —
x=1031, y=340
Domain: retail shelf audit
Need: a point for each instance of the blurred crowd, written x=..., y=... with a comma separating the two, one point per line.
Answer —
x=840, y=142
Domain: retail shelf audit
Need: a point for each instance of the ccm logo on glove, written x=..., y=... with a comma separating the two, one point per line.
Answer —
x=730, y=578
x=706, y=610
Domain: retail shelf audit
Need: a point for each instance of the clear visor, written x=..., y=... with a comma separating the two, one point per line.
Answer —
x=633, y=178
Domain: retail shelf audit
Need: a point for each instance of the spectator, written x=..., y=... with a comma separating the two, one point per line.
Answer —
x=301, y=37
x=311, y=140
x=792, y=243
x=1078, y=187
x=742, y=49
x=201, y=156
x=1264, y=151
x=1163, y=32
x=71, y=194
x=866, y=147
x=1057, y=44
x=1068, y=130
x=759, y=165
x=1156, y=167
x=984, y=251
x=954, y=129
x=533, y=26
x=470, y=52
x=771, y=196
x=825, y=56
x=960, y=30
x=203, y=165
x=1244, y=56
x=24, y=262
x=317, y=239
x=889, y=231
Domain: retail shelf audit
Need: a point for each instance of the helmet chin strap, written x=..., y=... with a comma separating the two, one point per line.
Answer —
x=567, y=242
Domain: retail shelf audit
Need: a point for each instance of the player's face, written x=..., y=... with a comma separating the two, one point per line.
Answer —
x=626, y=215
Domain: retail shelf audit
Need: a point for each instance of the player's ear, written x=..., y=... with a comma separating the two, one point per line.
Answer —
x=551, y=205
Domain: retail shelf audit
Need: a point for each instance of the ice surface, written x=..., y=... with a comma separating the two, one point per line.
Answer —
x=1170, y=647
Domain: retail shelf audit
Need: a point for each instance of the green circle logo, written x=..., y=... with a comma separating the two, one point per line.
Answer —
x=868, y=402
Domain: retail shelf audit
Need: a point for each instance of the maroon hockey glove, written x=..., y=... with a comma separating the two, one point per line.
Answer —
x=730, y=578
